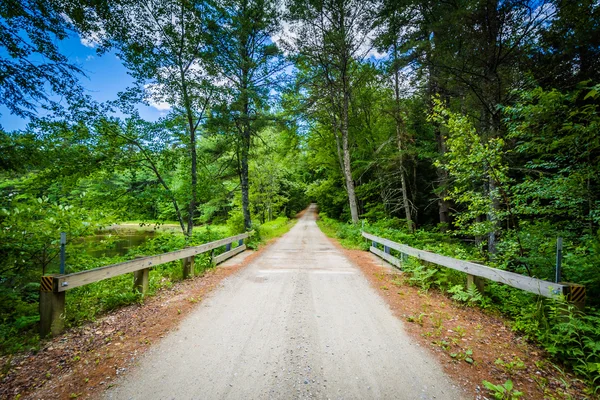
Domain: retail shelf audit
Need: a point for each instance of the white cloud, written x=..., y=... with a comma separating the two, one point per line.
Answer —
x=89, y=58
x=284, y=37
x=372, y=52
x=154, y=99
x=91, y=40
x=159, y=105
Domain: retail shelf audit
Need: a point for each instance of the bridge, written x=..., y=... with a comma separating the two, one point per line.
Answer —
x=300, y=321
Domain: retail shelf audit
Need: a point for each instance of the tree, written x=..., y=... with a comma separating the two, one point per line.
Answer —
x=331, y=37
x=389, y=39
x=249, y=64
x=33, y=72
x=164, y=45
x=569, y=50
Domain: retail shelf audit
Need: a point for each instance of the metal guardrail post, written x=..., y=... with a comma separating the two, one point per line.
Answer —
x=63, y=243
x=559, y=249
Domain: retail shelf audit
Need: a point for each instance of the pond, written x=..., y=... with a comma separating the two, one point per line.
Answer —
x=115, y=242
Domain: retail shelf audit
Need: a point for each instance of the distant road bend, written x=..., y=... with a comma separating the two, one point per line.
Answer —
x=299, y=322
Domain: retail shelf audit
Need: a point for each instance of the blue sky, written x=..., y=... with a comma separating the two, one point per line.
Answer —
x=106, y=77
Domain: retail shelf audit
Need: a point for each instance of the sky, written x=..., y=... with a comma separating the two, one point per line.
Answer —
x=106, y=77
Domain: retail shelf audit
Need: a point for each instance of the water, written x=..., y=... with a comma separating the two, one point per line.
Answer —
x=115, y=242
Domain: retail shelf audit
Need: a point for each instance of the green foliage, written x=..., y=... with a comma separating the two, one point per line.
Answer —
x=473, y=162
x=470, y=296
x=420, y=275
x=504, y=391
x=569, y=335
x=32, y=30
x=235, y=223
x=348, y=234
x=275, y=228
x=510, y=367
x=466, y=356
x=277, y=174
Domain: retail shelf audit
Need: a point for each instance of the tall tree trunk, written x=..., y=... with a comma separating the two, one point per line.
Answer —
x=399, y=126
x=492, y=187
x=246, y=131
x=434, y=88
x=193, y=157
x=443, y=179
x=492, y=216
x=194, y=171
x=346, y=156
x=244, y=181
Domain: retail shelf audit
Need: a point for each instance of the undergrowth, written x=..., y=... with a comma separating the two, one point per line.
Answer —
x=570, y=337
x=274, y=228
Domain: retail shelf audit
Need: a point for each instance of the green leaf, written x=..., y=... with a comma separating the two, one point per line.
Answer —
x=592, y=93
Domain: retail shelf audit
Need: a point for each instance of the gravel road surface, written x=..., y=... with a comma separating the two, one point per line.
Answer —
x=299, y=322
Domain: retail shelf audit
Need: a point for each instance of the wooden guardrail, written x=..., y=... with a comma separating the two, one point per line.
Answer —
x=473, y=270
x=53, y=287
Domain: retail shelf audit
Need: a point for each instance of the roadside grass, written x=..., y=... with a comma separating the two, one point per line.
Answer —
x=347, y=234
x=270, y=230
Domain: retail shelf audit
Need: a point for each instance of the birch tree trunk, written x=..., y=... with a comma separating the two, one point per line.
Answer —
x=399, y=129
x=346, y=154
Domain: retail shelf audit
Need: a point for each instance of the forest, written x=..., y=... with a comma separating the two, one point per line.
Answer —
x=468, y=128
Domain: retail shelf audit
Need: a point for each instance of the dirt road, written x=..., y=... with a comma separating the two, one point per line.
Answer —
x=299, y=322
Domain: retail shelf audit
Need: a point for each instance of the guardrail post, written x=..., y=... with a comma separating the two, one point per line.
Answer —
x=140, y=280
x=386, y=250
x=373, y=243
x=228, y=247
x=52, y=307
x=241, y=242
x=575, y=294
x=476, y=281
x=188, y=267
